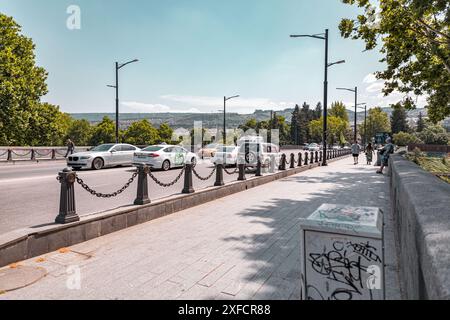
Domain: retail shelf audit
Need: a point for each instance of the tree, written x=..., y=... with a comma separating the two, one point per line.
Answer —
x=295, y=125
x=377, y=122
x=336, y=127
x=104, y=132
x=405, y=138
x=420, y=123
x=165, y=133
x=250, y=124
x=399, y=122
x=318, y=111
x=434, y=134
x=22, y=84
x=415, y=38
x=80, y=132
x=141, y=133
x=338, y=110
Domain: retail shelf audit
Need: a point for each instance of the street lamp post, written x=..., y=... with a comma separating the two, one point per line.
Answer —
x=356, y=107
x=119, y=66
x=323, y=36
x=225, y=99
x=365, y=121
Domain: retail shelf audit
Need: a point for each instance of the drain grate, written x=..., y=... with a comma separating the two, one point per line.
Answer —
x=20, y=277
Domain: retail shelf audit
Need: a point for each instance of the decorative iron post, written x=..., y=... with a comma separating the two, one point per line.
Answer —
x=317, y=156
x=283, y=162
x=272, y=164
x=142, y=188
x=33, y=154
x=241, y=172
x=306, y=159
x=320, y=156
x=53, y=154
x=258, y=168
x=300, y=159
x=9, y=155
x=188, y=188
x=67, y=210
x=219, y=175
x=292, y=161
x=312, y=158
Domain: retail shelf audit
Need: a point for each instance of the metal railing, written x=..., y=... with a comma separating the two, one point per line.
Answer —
x=68, y=178
x=11, y=154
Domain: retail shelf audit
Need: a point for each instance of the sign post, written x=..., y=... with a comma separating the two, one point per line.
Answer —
x=342, y=254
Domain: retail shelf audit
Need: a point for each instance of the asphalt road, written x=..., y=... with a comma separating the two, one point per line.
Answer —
x=29, y=193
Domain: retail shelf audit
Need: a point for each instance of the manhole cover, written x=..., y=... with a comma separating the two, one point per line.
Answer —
x=22, y=276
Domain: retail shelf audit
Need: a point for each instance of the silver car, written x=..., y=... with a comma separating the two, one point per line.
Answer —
x=105, y=155
x=164, y=157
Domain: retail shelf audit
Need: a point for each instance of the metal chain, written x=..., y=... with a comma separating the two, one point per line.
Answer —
x=1, y=155
x=166, y=185
x=42, y=155
x=21, y=155
x=110, y=195
x=61, y=154
x=203, y=178
x=230, y=172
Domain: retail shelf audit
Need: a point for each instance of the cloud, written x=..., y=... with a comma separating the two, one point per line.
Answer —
x=375, y=87
x=239, y=105
x=156, y=108
x=370, y=78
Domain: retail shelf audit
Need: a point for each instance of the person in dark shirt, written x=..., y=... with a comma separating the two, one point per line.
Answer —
x=70, y=147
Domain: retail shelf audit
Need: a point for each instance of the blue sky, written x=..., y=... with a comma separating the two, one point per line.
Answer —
x=194, y=52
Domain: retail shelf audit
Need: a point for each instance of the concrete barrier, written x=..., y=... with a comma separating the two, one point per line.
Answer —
x=421, y=209
x=30, y=242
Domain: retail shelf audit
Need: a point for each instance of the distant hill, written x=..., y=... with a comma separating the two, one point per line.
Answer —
x=210, y=120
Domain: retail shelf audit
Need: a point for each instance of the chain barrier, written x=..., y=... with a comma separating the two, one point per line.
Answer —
x=103, y=195
x=5, y=153
x=63, y=153
x=21, y=155
x=43, y=155
x=230, y=172
x=203, y=178
x=166, y=185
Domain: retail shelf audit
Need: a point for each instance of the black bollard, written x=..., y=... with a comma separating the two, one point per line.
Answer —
x=306, y=159
x=283, y=162
x=9, y=155
x=258, y=168
x=53, y=154
x=317, y=157
x=272, y=164
x=188, y=188
x=311, y=158
x=142, y=188
x=67, y=210
x=292, y=161
x=219, y=175
x=33, y=154
x=320, y=156
x=241, y=176
x=300, y=160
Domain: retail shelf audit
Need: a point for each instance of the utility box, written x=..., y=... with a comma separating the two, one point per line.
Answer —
x=342, y=254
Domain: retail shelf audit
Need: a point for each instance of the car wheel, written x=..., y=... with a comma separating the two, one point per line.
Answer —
x=98, y=164
x=250, y=157
x=194, y=162
x=166, y=165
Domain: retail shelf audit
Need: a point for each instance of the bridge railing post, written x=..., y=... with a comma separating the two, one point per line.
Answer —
x=300, y=160
x=320, y=156
x=188, y=187
x=292, y=166
x=53, y=154
x=311, y=160
x=9, y=155
x=316, y=157
x=33, y=154
x=258, y=172
x=67, y=209
x=142, y=187
x=219, y=175
x=241, y=167
x=283, y=162
x=272, y=165
x=306, y=159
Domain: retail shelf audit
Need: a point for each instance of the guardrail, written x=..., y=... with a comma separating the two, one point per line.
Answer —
x=68, y=178
x=12, y=154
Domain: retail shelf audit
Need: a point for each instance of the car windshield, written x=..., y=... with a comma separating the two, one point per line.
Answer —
x=152, y=148
x=226, y=149
x=103, y=147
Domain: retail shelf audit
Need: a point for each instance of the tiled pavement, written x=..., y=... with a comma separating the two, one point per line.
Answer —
x=244, y=246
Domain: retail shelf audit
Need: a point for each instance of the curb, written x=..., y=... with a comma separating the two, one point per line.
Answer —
x=23, y=244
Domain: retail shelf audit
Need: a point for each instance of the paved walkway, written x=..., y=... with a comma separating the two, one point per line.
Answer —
x=244, y=246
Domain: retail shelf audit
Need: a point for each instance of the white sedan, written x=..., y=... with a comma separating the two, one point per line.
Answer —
x=105, y=155
x=227, y=155
x=164, y=157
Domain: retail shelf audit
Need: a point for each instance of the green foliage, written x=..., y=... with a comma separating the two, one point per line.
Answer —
x=165, y=133
x=434, y=134
x=398, y=119
x=420, y=123
x=142, y=133
x=337, y=128
x=22, y=85
x=104, y=132
x=415, y=36
x=377, y=122
x=80, y=132
x=338, y=110
x=405, y=138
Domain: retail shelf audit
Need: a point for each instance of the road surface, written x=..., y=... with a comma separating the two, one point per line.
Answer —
x=29, y=193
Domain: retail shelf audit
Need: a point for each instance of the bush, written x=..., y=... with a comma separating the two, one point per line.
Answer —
x=404, y=139
x=434, y=134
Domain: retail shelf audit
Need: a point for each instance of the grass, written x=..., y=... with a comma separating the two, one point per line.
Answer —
x=433, y=165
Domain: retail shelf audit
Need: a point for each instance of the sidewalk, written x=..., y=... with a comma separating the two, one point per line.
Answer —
x=245, y=246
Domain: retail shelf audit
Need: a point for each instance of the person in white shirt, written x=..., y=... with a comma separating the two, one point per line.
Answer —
x=356, y=150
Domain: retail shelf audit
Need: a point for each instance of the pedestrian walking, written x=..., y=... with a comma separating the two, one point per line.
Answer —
x=356, y=150
x=369, y=153
x=70, y=147
x=385, y=153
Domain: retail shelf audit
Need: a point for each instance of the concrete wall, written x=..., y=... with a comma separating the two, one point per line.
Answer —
x=421, y=209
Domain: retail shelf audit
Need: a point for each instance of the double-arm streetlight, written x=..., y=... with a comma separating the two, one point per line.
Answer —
x=225, y=99
x=323, y=36
x=365, y=120
x=118, y=67
x=356, y=107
